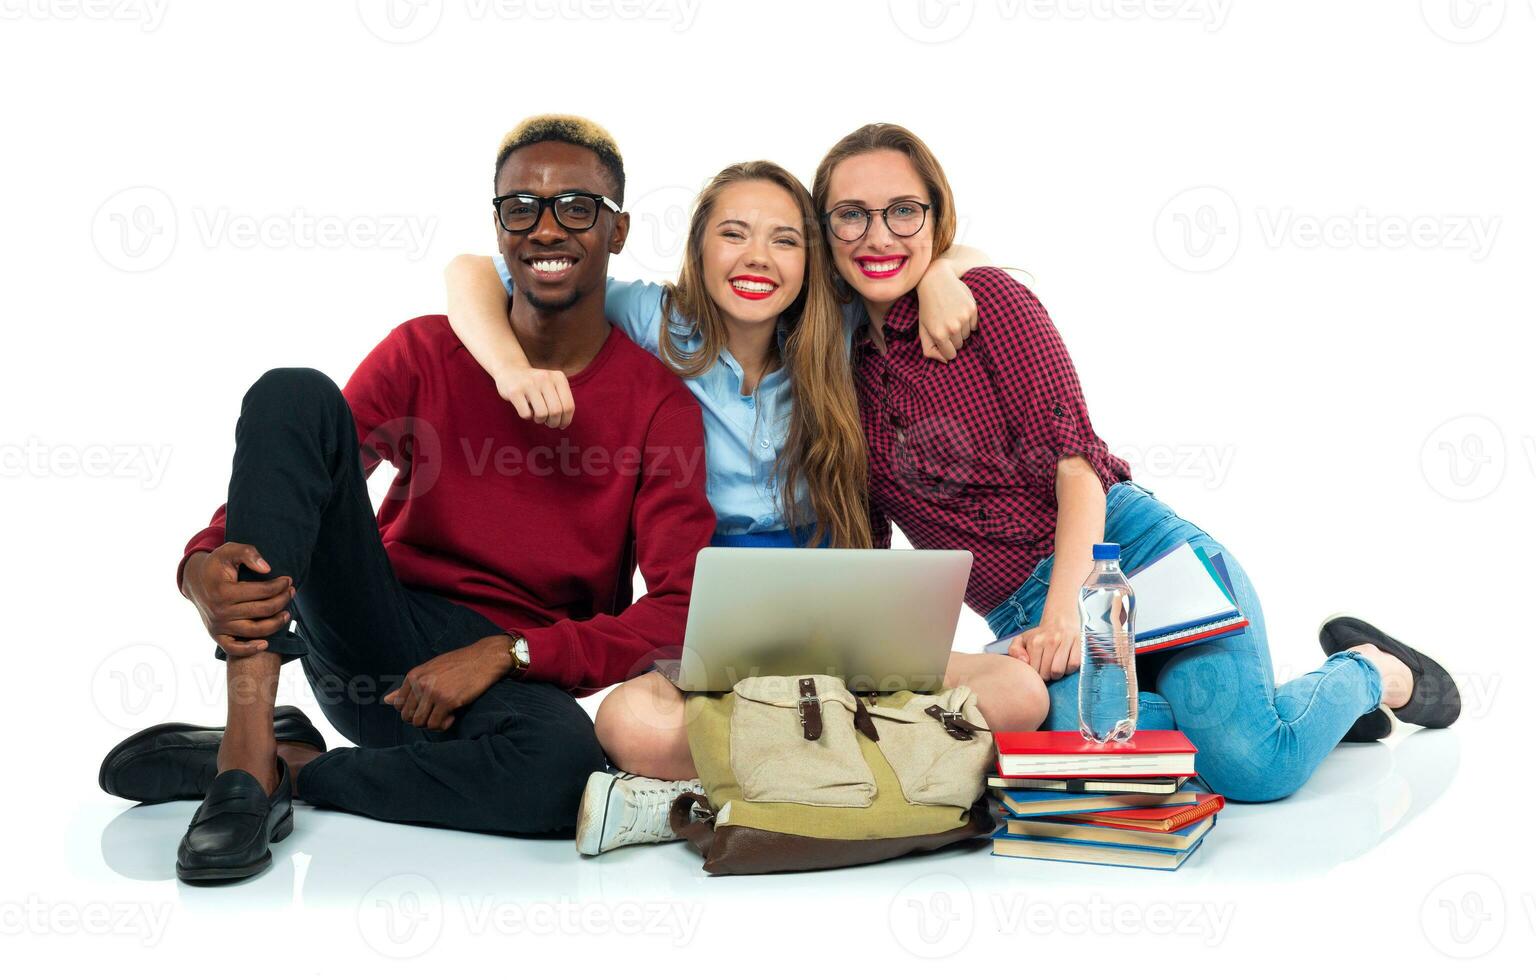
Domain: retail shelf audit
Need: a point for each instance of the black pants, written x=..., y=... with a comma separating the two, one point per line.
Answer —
x=515, y=761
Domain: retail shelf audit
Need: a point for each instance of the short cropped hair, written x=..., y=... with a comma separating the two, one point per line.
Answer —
x=575, y=130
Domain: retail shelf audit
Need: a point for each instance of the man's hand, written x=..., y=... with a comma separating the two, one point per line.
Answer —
x=1054, y=647
x=946, y=312
x=433, y=694
x=236, y=613
x=538, y=395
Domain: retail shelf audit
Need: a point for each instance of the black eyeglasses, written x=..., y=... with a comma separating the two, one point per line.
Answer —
x=850, y=222
x=574, y=212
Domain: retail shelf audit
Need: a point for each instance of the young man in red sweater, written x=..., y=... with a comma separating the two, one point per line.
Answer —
x=446, y=636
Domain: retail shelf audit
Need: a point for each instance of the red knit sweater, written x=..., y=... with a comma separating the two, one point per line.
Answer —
x=537, y=529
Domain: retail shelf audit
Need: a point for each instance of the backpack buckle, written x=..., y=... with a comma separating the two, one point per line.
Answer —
x=954, y=723
x=810, y=710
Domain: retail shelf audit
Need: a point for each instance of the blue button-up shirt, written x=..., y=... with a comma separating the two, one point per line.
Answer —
x=743, y=434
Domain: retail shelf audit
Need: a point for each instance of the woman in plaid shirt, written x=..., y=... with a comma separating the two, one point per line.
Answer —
x=994, y=453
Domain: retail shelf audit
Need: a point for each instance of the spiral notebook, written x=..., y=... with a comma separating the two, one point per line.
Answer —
x=1183, y=596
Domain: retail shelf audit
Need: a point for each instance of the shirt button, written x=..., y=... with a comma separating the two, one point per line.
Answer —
x=1059, y=412
x=765, y=444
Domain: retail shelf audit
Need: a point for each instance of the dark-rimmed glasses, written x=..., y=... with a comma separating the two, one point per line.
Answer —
x=850, y=222
x=576, y=211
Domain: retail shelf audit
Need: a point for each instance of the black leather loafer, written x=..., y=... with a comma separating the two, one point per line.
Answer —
x=228, y=837
x=1435, y=701
x=176, y=761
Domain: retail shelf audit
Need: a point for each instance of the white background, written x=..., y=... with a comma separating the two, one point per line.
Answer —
x=1288, y=244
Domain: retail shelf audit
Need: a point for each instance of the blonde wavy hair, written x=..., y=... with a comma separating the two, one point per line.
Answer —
x=825, y=445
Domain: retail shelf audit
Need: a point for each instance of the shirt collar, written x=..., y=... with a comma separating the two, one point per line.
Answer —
x=900, y=320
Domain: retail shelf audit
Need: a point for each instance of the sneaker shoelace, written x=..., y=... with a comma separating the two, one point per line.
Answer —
x=650, y=810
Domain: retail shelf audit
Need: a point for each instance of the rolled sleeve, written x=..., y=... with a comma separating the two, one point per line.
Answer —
x=1038, y=381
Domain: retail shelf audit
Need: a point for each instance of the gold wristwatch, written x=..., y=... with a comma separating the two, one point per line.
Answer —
x=518, y=648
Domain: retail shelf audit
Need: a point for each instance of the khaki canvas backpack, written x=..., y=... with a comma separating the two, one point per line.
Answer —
x=801, y=773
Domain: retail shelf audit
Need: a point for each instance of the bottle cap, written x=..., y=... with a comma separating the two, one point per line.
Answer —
x=1106, y=552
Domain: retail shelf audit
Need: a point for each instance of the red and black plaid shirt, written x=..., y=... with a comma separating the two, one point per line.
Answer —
x=963, y=455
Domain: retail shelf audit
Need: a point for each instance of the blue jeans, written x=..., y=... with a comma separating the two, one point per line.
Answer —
x=1255, y=741
x=783, y=538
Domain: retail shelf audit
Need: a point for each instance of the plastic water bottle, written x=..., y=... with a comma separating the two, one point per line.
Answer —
x=1106, y=692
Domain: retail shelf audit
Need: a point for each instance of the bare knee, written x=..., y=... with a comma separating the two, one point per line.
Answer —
x=642, y=727
x=1009, y=693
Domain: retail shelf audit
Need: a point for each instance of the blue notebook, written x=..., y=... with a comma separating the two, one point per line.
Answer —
x=1183, y=596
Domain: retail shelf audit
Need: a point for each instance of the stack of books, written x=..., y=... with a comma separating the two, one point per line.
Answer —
x=1129, y=804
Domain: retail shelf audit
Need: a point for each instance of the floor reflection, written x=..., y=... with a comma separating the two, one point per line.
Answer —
x=1360, y=796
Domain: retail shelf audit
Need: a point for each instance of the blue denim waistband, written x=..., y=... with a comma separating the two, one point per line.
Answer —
x=1134, y=518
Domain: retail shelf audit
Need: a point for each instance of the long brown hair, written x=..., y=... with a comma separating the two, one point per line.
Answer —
x=824, y=449
x=889, y=136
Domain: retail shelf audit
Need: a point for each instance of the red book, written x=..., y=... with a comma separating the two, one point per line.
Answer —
x=1065, y=755
x=1161, y=819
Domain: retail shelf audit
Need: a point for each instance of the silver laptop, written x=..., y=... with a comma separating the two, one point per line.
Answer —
x=881, y=620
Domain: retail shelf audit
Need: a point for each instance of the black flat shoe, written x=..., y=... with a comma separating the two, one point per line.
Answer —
x=175, y=761
x=228, y=836
x=1435, y=701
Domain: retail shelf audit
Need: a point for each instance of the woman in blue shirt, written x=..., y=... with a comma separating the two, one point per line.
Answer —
x=754, y=330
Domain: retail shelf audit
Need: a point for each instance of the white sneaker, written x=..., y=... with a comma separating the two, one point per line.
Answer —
x=619, y=809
